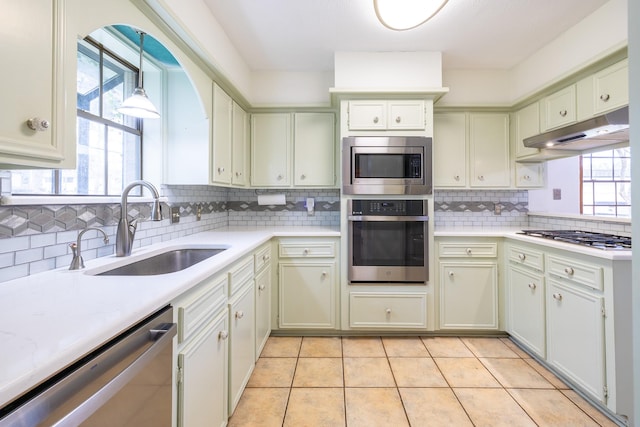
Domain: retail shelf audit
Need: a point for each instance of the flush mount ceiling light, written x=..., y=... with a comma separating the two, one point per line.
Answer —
x=401, y=15
x=138, y=104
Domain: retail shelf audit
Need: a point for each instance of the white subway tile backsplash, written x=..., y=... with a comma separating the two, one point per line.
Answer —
x=29, y=255
x=14, y=244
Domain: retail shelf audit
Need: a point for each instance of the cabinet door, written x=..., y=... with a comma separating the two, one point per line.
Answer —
x=271, y=150
x=263, y=309
x=221, y=131
x=468, y=295
x=450, y=150
x=489, y=147
x=242, y=343
x=314, y=149
x=307, y=295
x=406, y=115
x=33, y=79
x=367, y=115
x=530, y=175
x=527, y=123
x=240, y=139
x=611, y=87
x=576, y=336
x=558, y=109
x=526, y=308
x=202, y=385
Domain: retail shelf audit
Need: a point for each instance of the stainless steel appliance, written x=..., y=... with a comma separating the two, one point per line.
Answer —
x=387, y=165
x=584, y=238
x=388, y=241
x=126, y=382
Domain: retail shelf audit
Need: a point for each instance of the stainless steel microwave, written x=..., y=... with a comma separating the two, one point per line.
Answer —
x=387, y=165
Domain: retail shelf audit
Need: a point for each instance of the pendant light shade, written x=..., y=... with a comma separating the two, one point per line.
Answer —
x=401, y=15
x=138, y=104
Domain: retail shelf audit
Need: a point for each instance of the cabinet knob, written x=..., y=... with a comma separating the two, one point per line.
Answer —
x=569, y=271
x=376, y=119
x=324, y=274
x=451, y=274
x=223, y=335
x=38, y=124
x=468, y=251
x=279, y=177
x=261, y=288
x=303, y=176
x=265, y=257
x=532, y=286
x=238, y=173
x=605, y=97
x=220, y=170
x=557, y=296
x=398, y=119
x=388, y=311
x=480, y=177
x=239, y=314
x=305, y=251
x=456, y=177
x=527, y=178
x=563, y=113
x=522, y=257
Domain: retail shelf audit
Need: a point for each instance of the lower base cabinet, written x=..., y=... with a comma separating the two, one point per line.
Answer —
x=242, y=341
x=307, y=295
x=388, y=310
x=263, y=309
x=202, y=377
x=526, y=308
x=576, y=336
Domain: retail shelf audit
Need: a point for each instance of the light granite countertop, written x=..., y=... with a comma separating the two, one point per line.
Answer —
x=49, y=320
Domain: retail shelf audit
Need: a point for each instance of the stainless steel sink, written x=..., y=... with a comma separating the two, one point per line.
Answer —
x=165, y=262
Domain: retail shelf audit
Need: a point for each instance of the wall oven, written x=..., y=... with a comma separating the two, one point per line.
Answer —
x=388, y=241
x=387, y=165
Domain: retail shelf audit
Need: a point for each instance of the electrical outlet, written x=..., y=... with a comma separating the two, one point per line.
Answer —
x=175, y=214
x=497, y=208
x=557, y=194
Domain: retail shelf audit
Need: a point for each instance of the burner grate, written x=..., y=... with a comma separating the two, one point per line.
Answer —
x=584, y=238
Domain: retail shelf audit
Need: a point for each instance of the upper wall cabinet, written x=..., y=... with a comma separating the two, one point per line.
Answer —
x=387, y=115
x=558, y=109
x=604, y=91
x=34, y=126
x=450, y=150
x=293, y=150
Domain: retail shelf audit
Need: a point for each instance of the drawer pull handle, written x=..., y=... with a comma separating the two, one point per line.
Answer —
x=451, y=274
x=456, y=177
x=388, y=311
x=527, y=178
x=220, y=170
x=239, y=314
x=532, y=286
x=305, y=251
x=261, y=288
x=468, y=251
x=279, y=177
x=38, y=124
x=605, y=97
x=398, y=119
x=558, y=297
x=563, y=113
x=303, y=176
x=376, y=119
x=522, y=257
x=569, y=271
x=265, y=257
x=223, y=335
x=480, y=177
x=238, y=174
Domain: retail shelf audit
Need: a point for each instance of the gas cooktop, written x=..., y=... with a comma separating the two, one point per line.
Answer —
x=584, y=238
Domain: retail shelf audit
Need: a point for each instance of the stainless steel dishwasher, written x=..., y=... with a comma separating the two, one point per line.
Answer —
x=126, y=382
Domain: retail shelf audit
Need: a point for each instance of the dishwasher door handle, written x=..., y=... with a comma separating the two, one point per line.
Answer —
x=162, y=338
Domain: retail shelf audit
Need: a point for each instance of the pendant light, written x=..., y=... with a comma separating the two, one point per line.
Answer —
x=401, y=15
x=138, y=104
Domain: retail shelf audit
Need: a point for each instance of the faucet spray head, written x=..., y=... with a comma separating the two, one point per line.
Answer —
x=156, y=211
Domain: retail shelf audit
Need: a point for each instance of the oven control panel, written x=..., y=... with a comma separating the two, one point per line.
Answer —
x=389, y=207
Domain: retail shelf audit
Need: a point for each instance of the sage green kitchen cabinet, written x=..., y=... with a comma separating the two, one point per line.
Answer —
x=222, y=131
x=387, y=115
x=468, y=284
x=604, y=91
x=288, y=144
x=526, y=122
x=450, y=150
x=242, y=341
x=558, y=109
x=489, y=160
x=262, y=263
x=37, y=128
x=240, y=147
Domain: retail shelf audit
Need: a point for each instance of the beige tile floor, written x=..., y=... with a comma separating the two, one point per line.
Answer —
x=429, y=381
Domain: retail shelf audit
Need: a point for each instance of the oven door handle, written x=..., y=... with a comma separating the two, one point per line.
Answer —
x=360, y=218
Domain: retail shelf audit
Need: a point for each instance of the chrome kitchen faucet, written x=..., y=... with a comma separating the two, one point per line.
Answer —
x=77, y=262
x=127, y=230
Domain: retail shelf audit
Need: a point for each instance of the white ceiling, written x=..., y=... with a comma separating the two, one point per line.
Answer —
x=302, y=35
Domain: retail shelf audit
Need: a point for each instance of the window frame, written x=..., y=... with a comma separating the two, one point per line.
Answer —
x=616, y=204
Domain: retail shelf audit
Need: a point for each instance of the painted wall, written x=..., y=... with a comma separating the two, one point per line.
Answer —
x=562, y=174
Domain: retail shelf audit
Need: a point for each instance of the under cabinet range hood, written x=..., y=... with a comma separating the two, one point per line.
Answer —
x=600, y=131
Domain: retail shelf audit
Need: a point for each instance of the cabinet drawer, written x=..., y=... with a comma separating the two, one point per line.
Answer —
x=575, y=271
x=468, y=250
x=307, y=250
x=526, y=257
x=239, y=274
x=202, y=306
x=387, y=310
x=262, y=258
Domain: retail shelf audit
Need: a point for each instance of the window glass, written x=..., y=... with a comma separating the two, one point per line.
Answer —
x=606, y=183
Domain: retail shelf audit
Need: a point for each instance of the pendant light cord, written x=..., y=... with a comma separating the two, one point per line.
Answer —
x=141, y=52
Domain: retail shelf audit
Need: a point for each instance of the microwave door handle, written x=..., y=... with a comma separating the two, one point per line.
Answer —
x=361, y=218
